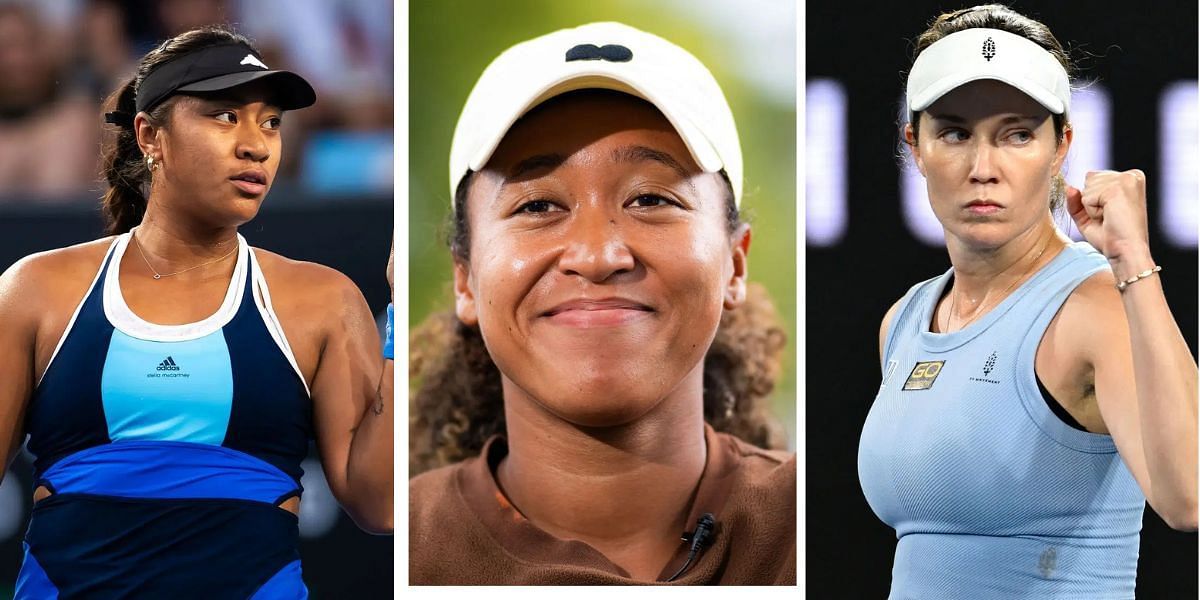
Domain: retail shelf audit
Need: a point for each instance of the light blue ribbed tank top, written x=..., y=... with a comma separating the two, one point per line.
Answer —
x=990, y=493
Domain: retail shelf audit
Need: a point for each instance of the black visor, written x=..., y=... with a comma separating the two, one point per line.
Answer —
x=218, y=68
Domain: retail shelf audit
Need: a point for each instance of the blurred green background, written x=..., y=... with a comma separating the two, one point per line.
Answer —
x=750, y=47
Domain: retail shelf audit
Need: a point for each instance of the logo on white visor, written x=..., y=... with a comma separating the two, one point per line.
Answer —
x=250, y=60
x=989, y=49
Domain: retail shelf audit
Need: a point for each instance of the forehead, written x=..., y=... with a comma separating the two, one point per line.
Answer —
x=247, y=93
x=569, y=123
x=983, y=98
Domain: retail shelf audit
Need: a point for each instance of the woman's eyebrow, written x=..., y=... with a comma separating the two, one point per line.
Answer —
x=231, y=101
x=642, y=153
x=949, y=118
x=535, y=162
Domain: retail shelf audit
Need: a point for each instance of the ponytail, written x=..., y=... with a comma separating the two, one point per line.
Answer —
x=124, y=203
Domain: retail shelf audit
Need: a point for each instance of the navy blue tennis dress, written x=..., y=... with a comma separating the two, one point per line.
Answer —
x=167, y=449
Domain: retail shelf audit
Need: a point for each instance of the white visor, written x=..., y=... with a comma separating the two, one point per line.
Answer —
x=980, y=53
x=608, y=56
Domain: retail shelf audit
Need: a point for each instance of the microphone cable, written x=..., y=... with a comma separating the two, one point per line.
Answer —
x=698, y=540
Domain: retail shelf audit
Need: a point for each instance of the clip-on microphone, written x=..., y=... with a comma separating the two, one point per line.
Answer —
x=698, y=539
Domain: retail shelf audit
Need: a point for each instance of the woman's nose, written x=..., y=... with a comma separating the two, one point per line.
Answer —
x=252, y=144
x=983, y=166
x=596, y=250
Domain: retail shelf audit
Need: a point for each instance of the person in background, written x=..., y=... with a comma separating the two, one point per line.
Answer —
x=48, y=137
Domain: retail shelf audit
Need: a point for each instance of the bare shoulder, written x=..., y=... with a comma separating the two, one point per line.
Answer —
x=53, y=273
x=1093, y=303
x=84, y=257
x=1092, y=319
x=311, y=280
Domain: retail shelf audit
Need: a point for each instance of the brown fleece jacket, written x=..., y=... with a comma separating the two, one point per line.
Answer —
x=463, y=531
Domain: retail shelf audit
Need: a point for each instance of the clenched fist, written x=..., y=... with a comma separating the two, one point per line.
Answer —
x=1110, y=212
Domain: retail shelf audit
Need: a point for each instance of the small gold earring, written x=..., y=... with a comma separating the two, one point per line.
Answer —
x=1058, y=190
x=150, y=164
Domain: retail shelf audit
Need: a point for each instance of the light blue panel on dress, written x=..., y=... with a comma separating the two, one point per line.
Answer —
x=171, y=391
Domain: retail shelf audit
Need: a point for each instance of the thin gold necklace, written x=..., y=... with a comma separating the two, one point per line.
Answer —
x=159, y=276
x=1003, y=294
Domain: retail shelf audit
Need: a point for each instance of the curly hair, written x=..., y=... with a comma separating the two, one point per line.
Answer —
x=456, y=399
x=457, y=403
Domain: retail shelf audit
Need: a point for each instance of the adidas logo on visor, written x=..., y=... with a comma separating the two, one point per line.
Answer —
x=251, y=60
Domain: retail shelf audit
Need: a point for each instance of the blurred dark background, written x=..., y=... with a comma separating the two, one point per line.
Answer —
x=868, y=237
x=331, y=202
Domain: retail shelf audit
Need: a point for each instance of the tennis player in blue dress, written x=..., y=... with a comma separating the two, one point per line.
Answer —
x=1038, y=394
x=170, y=377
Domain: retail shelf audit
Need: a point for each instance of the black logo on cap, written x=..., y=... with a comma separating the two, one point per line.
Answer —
x=989, y=49
x=609, y=52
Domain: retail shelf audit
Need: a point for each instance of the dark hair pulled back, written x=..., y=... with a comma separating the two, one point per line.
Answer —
x=994, y=16
x=998, y=16
x=124, y=203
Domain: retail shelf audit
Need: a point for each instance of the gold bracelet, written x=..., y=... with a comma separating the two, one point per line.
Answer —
x=1121, y=285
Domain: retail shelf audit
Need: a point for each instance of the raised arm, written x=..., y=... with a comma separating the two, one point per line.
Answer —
x=1145, y=376
x=353, y=409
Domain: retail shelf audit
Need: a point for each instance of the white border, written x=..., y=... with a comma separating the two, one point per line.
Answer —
x=126, y=321
x=400, y=277
x=801, y=303
x=262, y=300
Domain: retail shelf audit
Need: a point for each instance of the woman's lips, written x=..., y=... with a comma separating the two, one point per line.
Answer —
x=249, y=187
x=603, y=317
x=597, y=313
x=251, y=181
x=983, y=208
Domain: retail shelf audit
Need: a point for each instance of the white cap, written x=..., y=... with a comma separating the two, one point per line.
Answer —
x=981, y=53
x=608, y=56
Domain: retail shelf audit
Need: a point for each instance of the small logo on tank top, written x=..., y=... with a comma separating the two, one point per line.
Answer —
x=167, y=368
x=989, y=365
x=887, y=374
x=1047, y=562
x=923, y=375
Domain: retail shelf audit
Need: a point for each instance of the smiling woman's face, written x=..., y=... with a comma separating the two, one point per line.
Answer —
x=600, y=259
